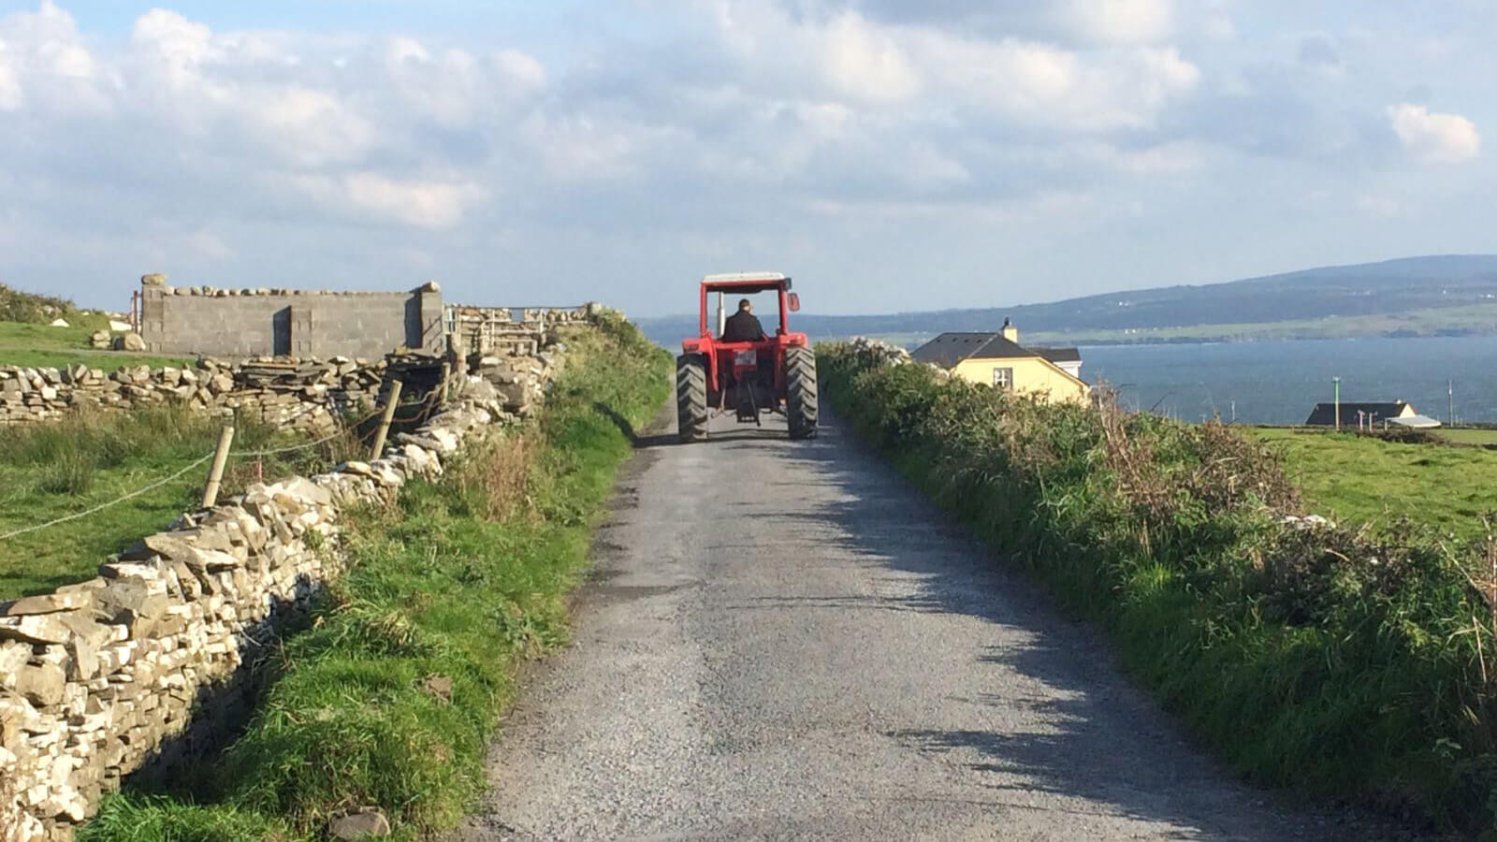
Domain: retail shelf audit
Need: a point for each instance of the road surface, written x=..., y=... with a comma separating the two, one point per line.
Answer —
x=783, y=640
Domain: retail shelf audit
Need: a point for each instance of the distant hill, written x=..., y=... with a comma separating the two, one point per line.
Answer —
x=1450, y=294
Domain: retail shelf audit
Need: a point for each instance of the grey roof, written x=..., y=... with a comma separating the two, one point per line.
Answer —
x=1324, y=414
x=1417, y=422
x=948, y=349
x=1059, y=355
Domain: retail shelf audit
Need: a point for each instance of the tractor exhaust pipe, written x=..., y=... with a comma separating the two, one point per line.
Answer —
x=722, y=315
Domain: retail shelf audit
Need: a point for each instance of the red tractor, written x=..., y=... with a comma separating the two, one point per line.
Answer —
x=776, y=372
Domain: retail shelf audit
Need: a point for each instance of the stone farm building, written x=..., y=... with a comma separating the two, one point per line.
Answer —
x=997, y=359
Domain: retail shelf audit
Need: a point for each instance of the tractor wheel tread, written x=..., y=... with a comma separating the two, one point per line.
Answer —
x=691, y=397
x=800, y=392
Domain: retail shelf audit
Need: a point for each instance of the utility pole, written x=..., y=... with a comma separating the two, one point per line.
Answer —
x=1337, y=381
x=1450, y=403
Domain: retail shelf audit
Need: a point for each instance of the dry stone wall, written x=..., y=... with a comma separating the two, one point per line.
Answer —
x=307, y=395
x=100, y=678
x=304, y=394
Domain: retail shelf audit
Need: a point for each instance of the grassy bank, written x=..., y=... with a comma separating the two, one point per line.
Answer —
x=1364, y=480
x=392, y=697
x=53, y=470
x=1334, y=662
x=44, y=346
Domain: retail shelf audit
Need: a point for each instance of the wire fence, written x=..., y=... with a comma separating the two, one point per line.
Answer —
x=102, y=506
x=425, y=405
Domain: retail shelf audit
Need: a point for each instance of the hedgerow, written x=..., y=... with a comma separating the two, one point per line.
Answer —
x=1335, y=661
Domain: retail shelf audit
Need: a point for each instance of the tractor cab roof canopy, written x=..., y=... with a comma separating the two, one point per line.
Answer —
x=746, y=282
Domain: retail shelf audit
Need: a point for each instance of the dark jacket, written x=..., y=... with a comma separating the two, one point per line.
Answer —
x=743, y=326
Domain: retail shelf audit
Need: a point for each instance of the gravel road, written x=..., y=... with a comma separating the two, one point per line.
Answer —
x=783, y=640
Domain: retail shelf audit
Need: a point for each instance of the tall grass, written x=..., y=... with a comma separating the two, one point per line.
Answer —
x=86, y=459
x=1339, y=662
x=391, y=698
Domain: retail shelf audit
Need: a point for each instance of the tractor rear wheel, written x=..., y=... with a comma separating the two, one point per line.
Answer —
x=800, y=392
x=691, y=397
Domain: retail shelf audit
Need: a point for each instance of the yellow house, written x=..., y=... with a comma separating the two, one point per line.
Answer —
x=997, y=359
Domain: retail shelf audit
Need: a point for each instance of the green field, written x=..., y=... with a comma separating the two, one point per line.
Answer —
x=43, y=346
x=1357, y=480
x=1474, y=437
x=59, y=469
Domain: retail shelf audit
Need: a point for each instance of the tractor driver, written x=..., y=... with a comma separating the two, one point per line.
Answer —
x=743, y=326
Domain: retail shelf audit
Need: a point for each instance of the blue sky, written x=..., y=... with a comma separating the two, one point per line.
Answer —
x=891, y=154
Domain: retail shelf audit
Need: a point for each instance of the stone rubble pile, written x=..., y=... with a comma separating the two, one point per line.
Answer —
x=104, y=677
x=518, y=381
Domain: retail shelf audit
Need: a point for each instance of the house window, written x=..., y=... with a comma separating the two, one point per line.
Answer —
x=1003, y=378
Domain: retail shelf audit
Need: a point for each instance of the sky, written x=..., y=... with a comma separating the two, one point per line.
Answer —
x=891, y=155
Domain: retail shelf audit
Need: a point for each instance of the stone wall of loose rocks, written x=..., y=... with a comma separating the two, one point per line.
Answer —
x=101, y=678
x=306, y=395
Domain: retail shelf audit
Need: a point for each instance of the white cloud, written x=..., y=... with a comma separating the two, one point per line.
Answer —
x=306, y=127
x=174, y=43
x=1172, y=158
x=865, y=61
x=1046, y=86
x=1433, y=138
x=428, y=203
x=42, y=53
x=425, y=203
x=10, y=83
x=1121, y=21
x=524, y=71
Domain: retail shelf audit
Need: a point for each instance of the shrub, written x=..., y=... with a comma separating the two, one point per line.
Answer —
x=17, y=306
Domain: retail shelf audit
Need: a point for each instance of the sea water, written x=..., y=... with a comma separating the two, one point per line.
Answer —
x=1279, y=382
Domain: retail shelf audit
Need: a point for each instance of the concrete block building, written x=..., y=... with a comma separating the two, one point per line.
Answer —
x=297, y=323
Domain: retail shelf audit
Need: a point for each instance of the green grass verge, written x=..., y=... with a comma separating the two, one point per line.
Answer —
x=52, y=470
x=43, y=346
x=1364, y=480
x=458, y=582
x=1335, y=662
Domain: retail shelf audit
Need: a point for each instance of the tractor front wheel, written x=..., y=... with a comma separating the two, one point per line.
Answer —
x=800, y=392
x=691, y=397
